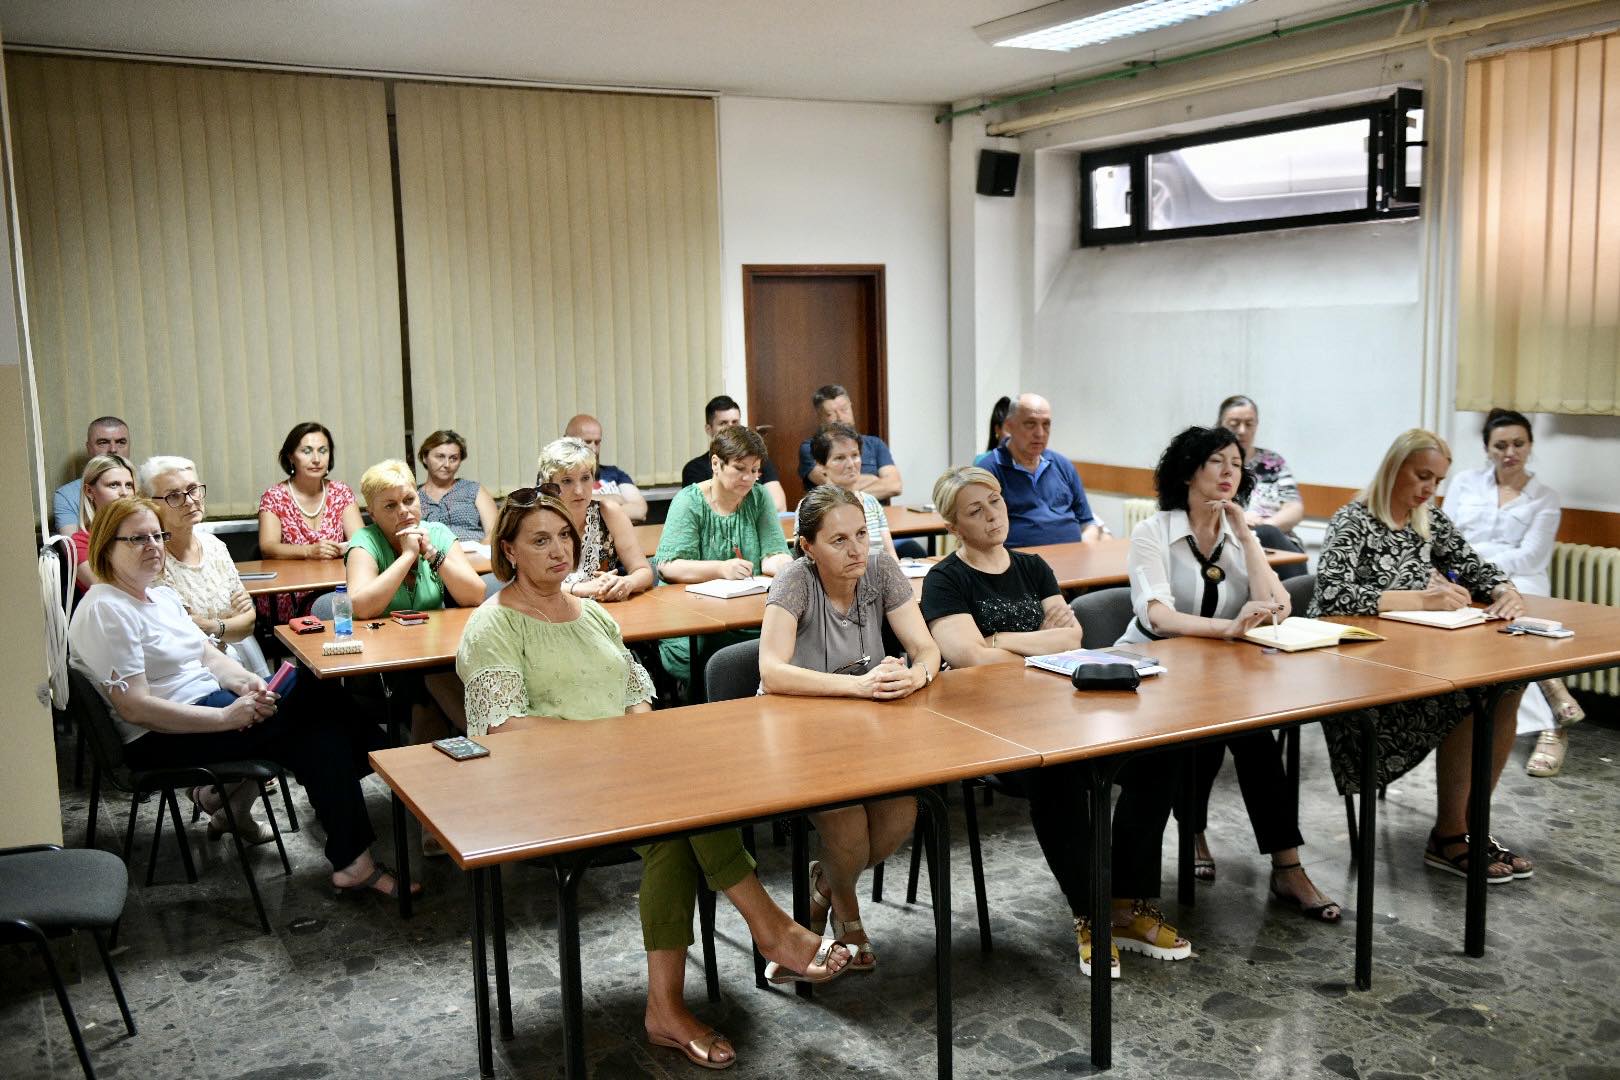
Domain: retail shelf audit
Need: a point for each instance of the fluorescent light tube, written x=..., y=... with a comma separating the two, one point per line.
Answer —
x=1056, y=33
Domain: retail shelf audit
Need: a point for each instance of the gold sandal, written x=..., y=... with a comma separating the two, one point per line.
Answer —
x=1548, y=757
x=861, y=956
x=700, y=1051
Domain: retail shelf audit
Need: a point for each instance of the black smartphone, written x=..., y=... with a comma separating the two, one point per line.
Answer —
x=460, y=748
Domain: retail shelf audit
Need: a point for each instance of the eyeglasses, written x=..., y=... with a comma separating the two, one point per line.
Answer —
x=194, y=493
x=157, y=539
x=530, y=495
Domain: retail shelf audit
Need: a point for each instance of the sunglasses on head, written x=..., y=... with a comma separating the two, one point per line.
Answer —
x=528, y=496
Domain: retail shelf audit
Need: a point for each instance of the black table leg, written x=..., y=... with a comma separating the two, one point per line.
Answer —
x=939, y=877
x=486, y=1052
x=696, y=692
x=573, y=994
x=503, y=986
x=1102, y=910
x=402, y=843
x=800, y=830
x=1366, y=853
x=1186, y=847
x=1484, y=702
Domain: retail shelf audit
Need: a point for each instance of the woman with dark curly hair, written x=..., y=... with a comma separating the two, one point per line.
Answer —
x=1198, y=570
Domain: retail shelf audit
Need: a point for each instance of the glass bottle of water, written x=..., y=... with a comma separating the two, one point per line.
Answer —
x=342, y=613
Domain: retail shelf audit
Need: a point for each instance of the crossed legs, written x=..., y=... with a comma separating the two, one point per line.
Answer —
x=852, y=839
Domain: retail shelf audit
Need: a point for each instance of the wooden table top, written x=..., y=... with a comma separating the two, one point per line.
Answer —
x=1481, y=656
x=310, y=575
x=1210, y=686
x=903, y=521
x=1088, y=566
x=571, y=785
x=392, y=647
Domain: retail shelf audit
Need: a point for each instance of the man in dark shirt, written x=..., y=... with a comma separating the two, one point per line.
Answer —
x=612, y=482
x=720, y=413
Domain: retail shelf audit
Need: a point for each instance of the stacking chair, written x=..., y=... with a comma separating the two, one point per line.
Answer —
x=107, y=755
x=46, y=892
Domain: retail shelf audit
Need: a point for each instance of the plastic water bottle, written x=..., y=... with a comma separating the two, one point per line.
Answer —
x=342, y=613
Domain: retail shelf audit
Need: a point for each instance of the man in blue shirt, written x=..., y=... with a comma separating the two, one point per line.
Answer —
x=612, y=482
x=880, y=477
x=1046, y=503
x=106, y=435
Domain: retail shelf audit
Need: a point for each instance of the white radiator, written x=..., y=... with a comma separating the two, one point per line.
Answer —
x=1590, y=574
x=1138, y=511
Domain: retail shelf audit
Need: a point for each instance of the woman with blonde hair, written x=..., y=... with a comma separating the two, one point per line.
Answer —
x=612, y=565
x=106, y=477
x=1390, y=550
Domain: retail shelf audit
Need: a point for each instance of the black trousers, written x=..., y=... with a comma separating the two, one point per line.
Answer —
x=1060, y=810
x=311, y=734
x=1267, y=795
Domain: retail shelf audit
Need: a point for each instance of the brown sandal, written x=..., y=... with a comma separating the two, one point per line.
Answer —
x=378, y=872
x=699, y=1052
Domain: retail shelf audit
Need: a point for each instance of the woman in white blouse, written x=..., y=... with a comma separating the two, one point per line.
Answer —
x=1510, y=518
x=1198, y=570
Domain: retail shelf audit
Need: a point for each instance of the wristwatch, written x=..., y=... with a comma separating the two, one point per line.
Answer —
x=222, y=629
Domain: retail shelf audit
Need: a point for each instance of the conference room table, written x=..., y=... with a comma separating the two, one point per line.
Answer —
x=310, y=575
x=1102, y=562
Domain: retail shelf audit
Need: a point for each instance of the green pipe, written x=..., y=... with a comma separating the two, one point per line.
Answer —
x=1133, y=68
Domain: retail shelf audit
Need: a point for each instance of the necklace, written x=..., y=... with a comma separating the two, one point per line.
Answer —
x=320, y=507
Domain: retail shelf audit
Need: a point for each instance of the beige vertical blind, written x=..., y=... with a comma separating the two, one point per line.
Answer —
x=562, y=254
x=1539, y=288
x=210, y=254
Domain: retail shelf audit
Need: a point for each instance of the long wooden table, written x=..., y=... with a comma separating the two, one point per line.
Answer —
x=310, y=575
x=1101, y=563
x=783, y=755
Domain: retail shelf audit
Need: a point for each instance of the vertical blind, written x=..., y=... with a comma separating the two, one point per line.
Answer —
x=210, y=255
x=1539, y=284
x=562, y=254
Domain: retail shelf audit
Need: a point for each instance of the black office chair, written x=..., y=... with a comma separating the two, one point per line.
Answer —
x=107, y=755
x=46, y=892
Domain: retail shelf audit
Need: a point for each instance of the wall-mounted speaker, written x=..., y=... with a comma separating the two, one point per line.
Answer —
x=998, y=172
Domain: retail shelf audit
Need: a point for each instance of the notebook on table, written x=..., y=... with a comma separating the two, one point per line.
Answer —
x=727, y=589
x=1445, y=620
x=1064, y=663
x=1295, y=634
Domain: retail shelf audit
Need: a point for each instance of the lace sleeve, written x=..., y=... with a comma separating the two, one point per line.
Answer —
x=638, y=685
x=493, y=695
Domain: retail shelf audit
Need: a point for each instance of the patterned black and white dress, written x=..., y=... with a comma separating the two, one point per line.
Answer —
x=1361, y=558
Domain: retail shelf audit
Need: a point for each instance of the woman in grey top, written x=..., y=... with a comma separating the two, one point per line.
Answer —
x=823, y=637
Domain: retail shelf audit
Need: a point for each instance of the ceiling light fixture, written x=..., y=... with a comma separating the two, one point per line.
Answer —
x=1074, y=24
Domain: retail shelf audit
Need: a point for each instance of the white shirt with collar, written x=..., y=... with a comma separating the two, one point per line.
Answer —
x=1162, y=567
x=1518, y=537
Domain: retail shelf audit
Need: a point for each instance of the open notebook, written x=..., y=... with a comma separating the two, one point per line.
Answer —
x=1295, y=634
x=1446, y=620
x=725, y=589
x=1064, y=663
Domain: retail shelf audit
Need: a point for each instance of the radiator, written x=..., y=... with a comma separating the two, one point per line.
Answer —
x=1591, y=574
x=1138, y=511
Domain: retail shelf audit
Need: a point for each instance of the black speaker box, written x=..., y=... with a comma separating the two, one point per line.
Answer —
x=998, y=172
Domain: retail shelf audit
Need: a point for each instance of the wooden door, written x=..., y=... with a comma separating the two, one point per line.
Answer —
x=805, y=327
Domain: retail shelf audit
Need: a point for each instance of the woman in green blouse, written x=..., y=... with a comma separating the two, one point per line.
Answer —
x=724, y=527
x=532, y=655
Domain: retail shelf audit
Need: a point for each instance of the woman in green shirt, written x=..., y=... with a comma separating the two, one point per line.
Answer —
x=534, y=655
x=725, y=527
x=400, y=563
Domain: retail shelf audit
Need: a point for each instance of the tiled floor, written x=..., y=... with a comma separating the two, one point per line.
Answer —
x=347, y=990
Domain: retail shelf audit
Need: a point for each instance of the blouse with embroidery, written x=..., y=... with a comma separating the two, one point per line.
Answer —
x=514, y=664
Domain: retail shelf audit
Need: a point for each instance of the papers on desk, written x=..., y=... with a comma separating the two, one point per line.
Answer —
x=1295, y=634
x=1445, y=620
x=915, y=568
x=1064, y=663
x=724, y=589
x=473, y=547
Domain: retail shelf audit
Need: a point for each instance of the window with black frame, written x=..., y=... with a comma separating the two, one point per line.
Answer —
x=1358, y=163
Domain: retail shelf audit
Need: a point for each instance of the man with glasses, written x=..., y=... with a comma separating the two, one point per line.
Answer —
x=105, y=435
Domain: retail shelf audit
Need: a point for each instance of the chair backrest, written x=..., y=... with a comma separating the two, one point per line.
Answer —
x=1299, y=591
x=1104, y=614
x=733, y=672
x=322, y=607
x=492, y=584
x=90, y=712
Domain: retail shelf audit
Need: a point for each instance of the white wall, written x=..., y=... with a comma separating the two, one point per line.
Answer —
x=823, y=182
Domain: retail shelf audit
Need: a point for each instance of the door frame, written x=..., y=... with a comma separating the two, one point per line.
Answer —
x=873, y=272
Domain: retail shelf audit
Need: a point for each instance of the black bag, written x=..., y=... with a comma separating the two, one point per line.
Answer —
x=1106, y=677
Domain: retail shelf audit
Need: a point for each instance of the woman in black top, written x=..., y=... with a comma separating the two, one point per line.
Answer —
x=987, y=605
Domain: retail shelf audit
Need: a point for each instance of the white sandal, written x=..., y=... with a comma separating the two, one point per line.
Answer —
x=1548, y=757
x=861, y=956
